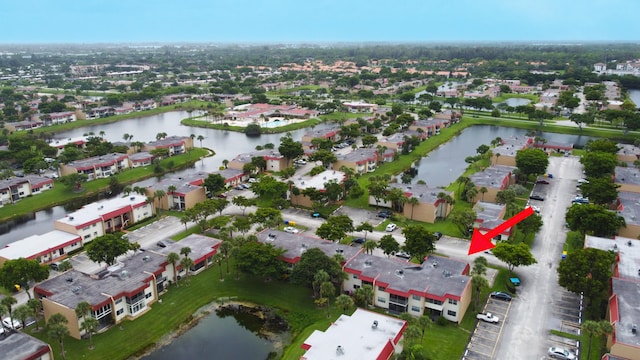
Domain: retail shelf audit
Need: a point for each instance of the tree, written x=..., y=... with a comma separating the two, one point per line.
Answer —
x=587, y=271
x=89, y=323
x=369, y=246
x=318, y=279
x=8, y=302
x=514, y=255
x=335, y=228
x=107, y=248
x=173, y=258
x=325, y=156
x=252, y=130
x=462, y=181
x=530, y=225
x=260, y=259
x=268, y=217
x=418, y=241
x=311, y=262
x=483, y=190
x=186, y=263
x=602, y=145
x=214, y=183
x=389, y=245
x=479, y=266
x=365, y=227
x=364, y=295
x=597, y=328
x=532, y=161
x=479, y=284
x=463, y=219
x=200, y=138
x=599, y=164
x=74, y=181
x=22, y=313
x=506, y=196
x=218, y=258
x=22, y=272
x=327, y=290
x=225, y=250
x=35, y=305
x=57, y=329
x=345, y=302
x=601, y=190
x=593, y=219
x=413, y=201
x=424, y=322
x=242, y=224
x=290, y=148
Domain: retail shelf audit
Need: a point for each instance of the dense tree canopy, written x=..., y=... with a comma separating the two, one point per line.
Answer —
x=22, y=272
x=310, y=262
x=419, y=241
x=532, y=161
x=260, y=259
x=514, y=255
x=594, y=220
x=106, y=248
x=599, y=164
x=600, y=190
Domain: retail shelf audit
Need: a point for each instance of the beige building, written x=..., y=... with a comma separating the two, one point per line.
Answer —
x=628, y=178
x=184, y=193
x=97, y=167
x=315, y=182
x=505, y=153
x=176, y=145
x=495, y=178
x=427, y=208
x=16, y=188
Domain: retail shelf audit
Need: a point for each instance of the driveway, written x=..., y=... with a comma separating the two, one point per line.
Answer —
x=541, y=304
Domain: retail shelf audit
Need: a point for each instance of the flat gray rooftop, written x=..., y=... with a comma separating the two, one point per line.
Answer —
x=73, y=287
x=629, y=262
x=200, y=246
x=296, y=244
x=630, y=211
x=423, y=193
x=628, y=294
x=492, y=177
x=437, y=275
x=359, y=155
x=627, y=175
x=19, y=346
x=488, y=211
x=511, y=145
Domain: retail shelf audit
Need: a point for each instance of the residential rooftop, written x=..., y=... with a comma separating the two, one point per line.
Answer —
x=266, y=153
x=628, y=255
x=423, y=193
x=359, y=155
x=37, y=245
x=97, y=161
x=168, y=141
x=511, y=145
x=183, y=185
x=296, y=244
x=363, y=335
x=201, y=246
x=627, y=294
x=102, y=209
x=628, y=149
x=492, y=177
x=436, y=276
x=629, y=207
x=130, y=274
x=61, y=143
x=318, y=181
x=627, y=175
x=322, y=133
x=20, y=346
x=34, y=180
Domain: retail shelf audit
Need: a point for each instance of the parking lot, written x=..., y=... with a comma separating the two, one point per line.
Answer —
x=484, y=339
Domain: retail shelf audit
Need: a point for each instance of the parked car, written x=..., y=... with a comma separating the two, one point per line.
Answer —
x=239, y=187
x=252, y=180
x=536, y=197
x=580, y=200
x=500, y=296
x=391, y=227
x=245, y=186
x=560, y=353
x=161, y=244
x=542, y=181
x=222, y=196
x=384, y=214
x=404, y=255
x=301, y=162
x=316, y=215
x=359, y=240
x=488, y=317
x=582, y=181
x=437, y=234
x=535, y=209
x=291, y=230
x=8, y=323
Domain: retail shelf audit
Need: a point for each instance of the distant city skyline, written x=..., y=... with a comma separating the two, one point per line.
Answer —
x=326, y=21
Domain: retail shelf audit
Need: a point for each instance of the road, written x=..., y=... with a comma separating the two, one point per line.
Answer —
x=531, y=318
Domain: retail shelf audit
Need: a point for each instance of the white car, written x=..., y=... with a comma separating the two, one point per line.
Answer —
x=582, y=181
x=301, y=162
x=7, y=323
x=291, y=230
x=391, y=227
x=560, y=353
x=488, y=317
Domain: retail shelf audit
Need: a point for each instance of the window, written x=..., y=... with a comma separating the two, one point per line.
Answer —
x=453, y=302
x=382, y=300
x=451, y=313
x=380, y=288
x=119, y=301
x=355, y=276
x=87, y=236
x=119, y=312
x=432, y=301
x=415, y=309
x=416, y=297
x=356, y=286
x=148, y=295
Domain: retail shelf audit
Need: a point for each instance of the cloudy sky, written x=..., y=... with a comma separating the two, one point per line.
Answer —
x=295, y=21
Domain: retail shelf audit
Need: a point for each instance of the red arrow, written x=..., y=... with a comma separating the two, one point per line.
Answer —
x=481, y=242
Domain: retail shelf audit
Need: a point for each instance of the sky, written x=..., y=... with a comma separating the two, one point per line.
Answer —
x=319, y=21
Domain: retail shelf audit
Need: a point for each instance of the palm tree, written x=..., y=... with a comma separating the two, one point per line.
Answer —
x=102, y=133
x=471, y=194
x=185, y=221
x=483, y=190
x=8, y=302
x=327, y=290
x=462, y=180
x=597, y=328
x=173, y=258
x=345, y=302
x=159, y=194
x=369, y=246
x=82, y=309
x=411, y=335
x=480, y=266
x=479, y=284
x=90, y=326
x=23, y=312
x=225, y=250
x=192, y=136
x=186, y=263
x=36, y=306
x=225, y=162
x=424, y=322
x=57, y=329
x=319, y=278
x=413, y=201
x=218, y=258
x=3, y=310
x=200, y=138
x=366, y=293
x=185, y=251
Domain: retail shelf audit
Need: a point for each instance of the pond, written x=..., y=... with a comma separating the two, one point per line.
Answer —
x=446, y=163
x=513, y=102
x=230, y=332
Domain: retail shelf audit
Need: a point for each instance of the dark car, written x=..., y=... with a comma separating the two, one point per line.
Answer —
x=222, y=196
x=536, y=197
x=358, y=241
x=384, y=214
x=542, y=181
x=161, y=244
x=437, y=234
x=500, y=296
